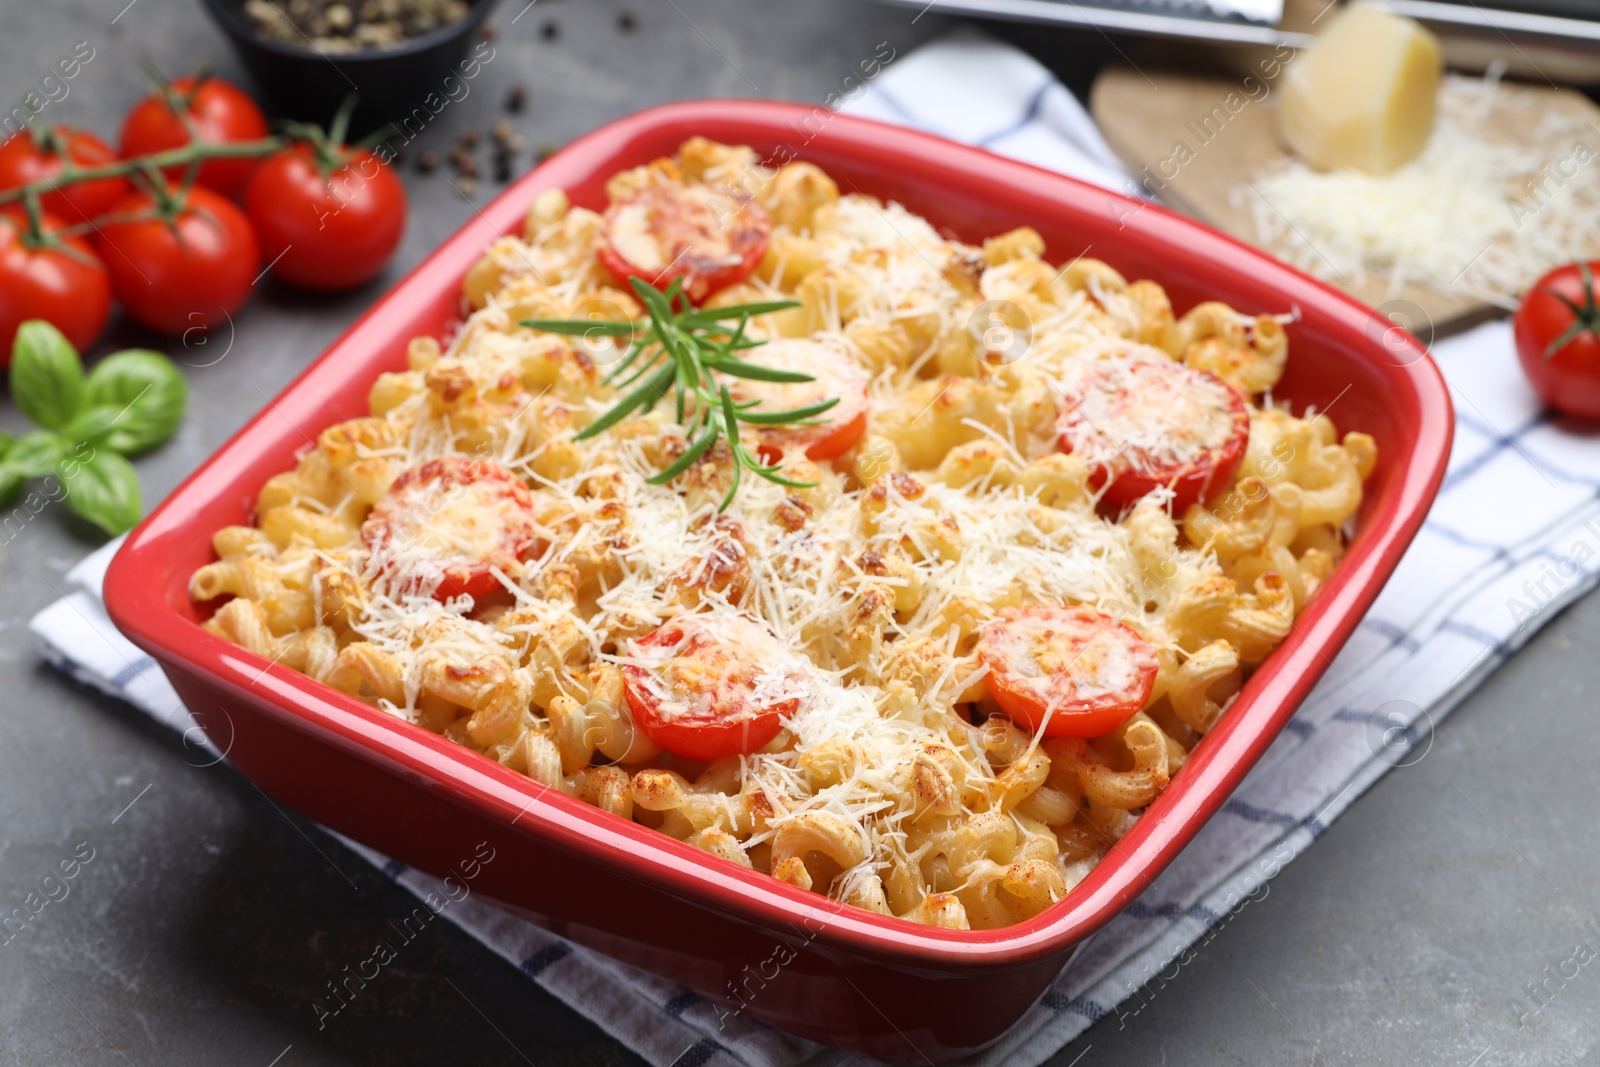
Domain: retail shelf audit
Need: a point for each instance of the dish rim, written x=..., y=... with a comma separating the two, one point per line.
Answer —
x=139, y=608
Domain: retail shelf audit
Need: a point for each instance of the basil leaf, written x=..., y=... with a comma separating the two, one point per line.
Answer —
x=105, y=490
x=6, y=441
x=146, y=393
x=11, y=483
x=36, y=454
x=46, y=375
x=94, y=424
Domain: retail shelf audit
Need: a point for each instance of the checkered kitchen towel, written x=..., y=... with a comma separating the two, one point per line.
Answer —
x=1514, y=536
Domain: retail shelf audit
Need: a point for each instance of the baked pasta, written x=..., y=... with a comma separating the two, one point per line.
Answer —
x=938, y=663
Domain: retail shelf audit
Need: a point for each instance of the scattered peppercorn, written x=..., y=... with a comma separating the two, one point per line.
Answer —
x=546, y=150
x=467, y=186
x=468, y=138
x=505, y=137
x=550, y=31
x=507, y=143
x=625, y=22
x=516, y=99
x=487, y=31
x=427, y=162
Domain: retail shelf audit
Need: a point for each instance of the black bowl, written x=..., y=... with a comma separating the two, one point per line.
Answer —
x=394, y=84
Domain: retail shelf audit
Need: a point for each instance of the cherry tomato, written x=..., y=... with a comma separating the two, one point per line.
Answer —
x=836, y=376
x=1147, y=423
x=220, y=113
x=1076, y=672
x=447, y=522
x=326, y=232
x=193, y=271
x=709, y=237
x=1558, y=339
x=25, y=159
x=704, y=687
x=61, y=281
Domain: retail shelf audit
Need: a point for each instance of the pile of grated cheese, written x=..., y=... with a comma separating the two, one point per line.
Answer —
x=1470, y=217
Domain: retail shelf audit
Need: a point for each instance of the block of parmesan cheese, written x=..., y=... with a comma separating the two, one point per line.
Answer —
x=1363, y=94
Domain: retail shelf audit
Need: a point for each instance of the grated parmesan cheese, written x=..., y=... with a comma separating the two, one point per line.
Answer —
x=1472, y=216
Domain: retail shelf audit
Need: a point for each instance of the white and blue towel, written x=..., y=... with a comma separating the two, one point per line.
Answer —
x=1514, y=537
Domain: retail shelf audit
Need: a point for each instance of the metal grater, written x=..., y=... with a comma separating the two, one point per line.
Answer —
x=1544, y=40
x=1223, y=21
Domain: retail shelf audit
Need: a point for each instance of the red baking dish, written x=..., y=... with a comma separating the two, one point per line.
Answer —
x=883, y=987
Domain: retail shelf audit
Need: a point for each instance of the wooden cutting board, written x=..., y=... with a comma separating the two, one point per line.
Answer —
x=1146, y=112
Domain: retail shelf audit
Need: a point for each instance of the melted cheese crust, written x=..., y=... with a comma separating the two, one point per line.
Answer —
x=1099, y=664
x=890, y=786
x=1132, y=415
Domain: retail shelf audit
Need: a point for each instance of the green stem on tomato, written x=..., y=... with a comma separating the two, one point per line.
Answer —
x=34, y=236
x=328, y=148
x=189, y=156
x=44, y=136
x=1585, y=317
x=179, y=103
x=71, y=174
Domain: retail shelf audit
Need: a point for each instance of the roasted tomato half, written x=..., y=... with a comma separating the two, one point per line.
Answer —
x=1074, y=672
x=1143, y=424
x=705, y=686
x=707, y=236
x=448, y=524
x=835, y=376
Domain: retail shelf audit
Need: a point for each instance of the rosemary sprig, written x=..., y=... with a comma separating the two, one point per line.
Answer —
x=684, y=350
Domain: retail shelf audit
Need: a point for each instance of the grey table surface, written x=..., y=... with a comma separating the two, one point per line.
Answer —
x=209, y=921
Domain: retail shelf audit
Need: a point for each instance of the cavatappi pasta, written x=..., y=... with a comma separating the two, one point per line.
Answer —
x=983, y=638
